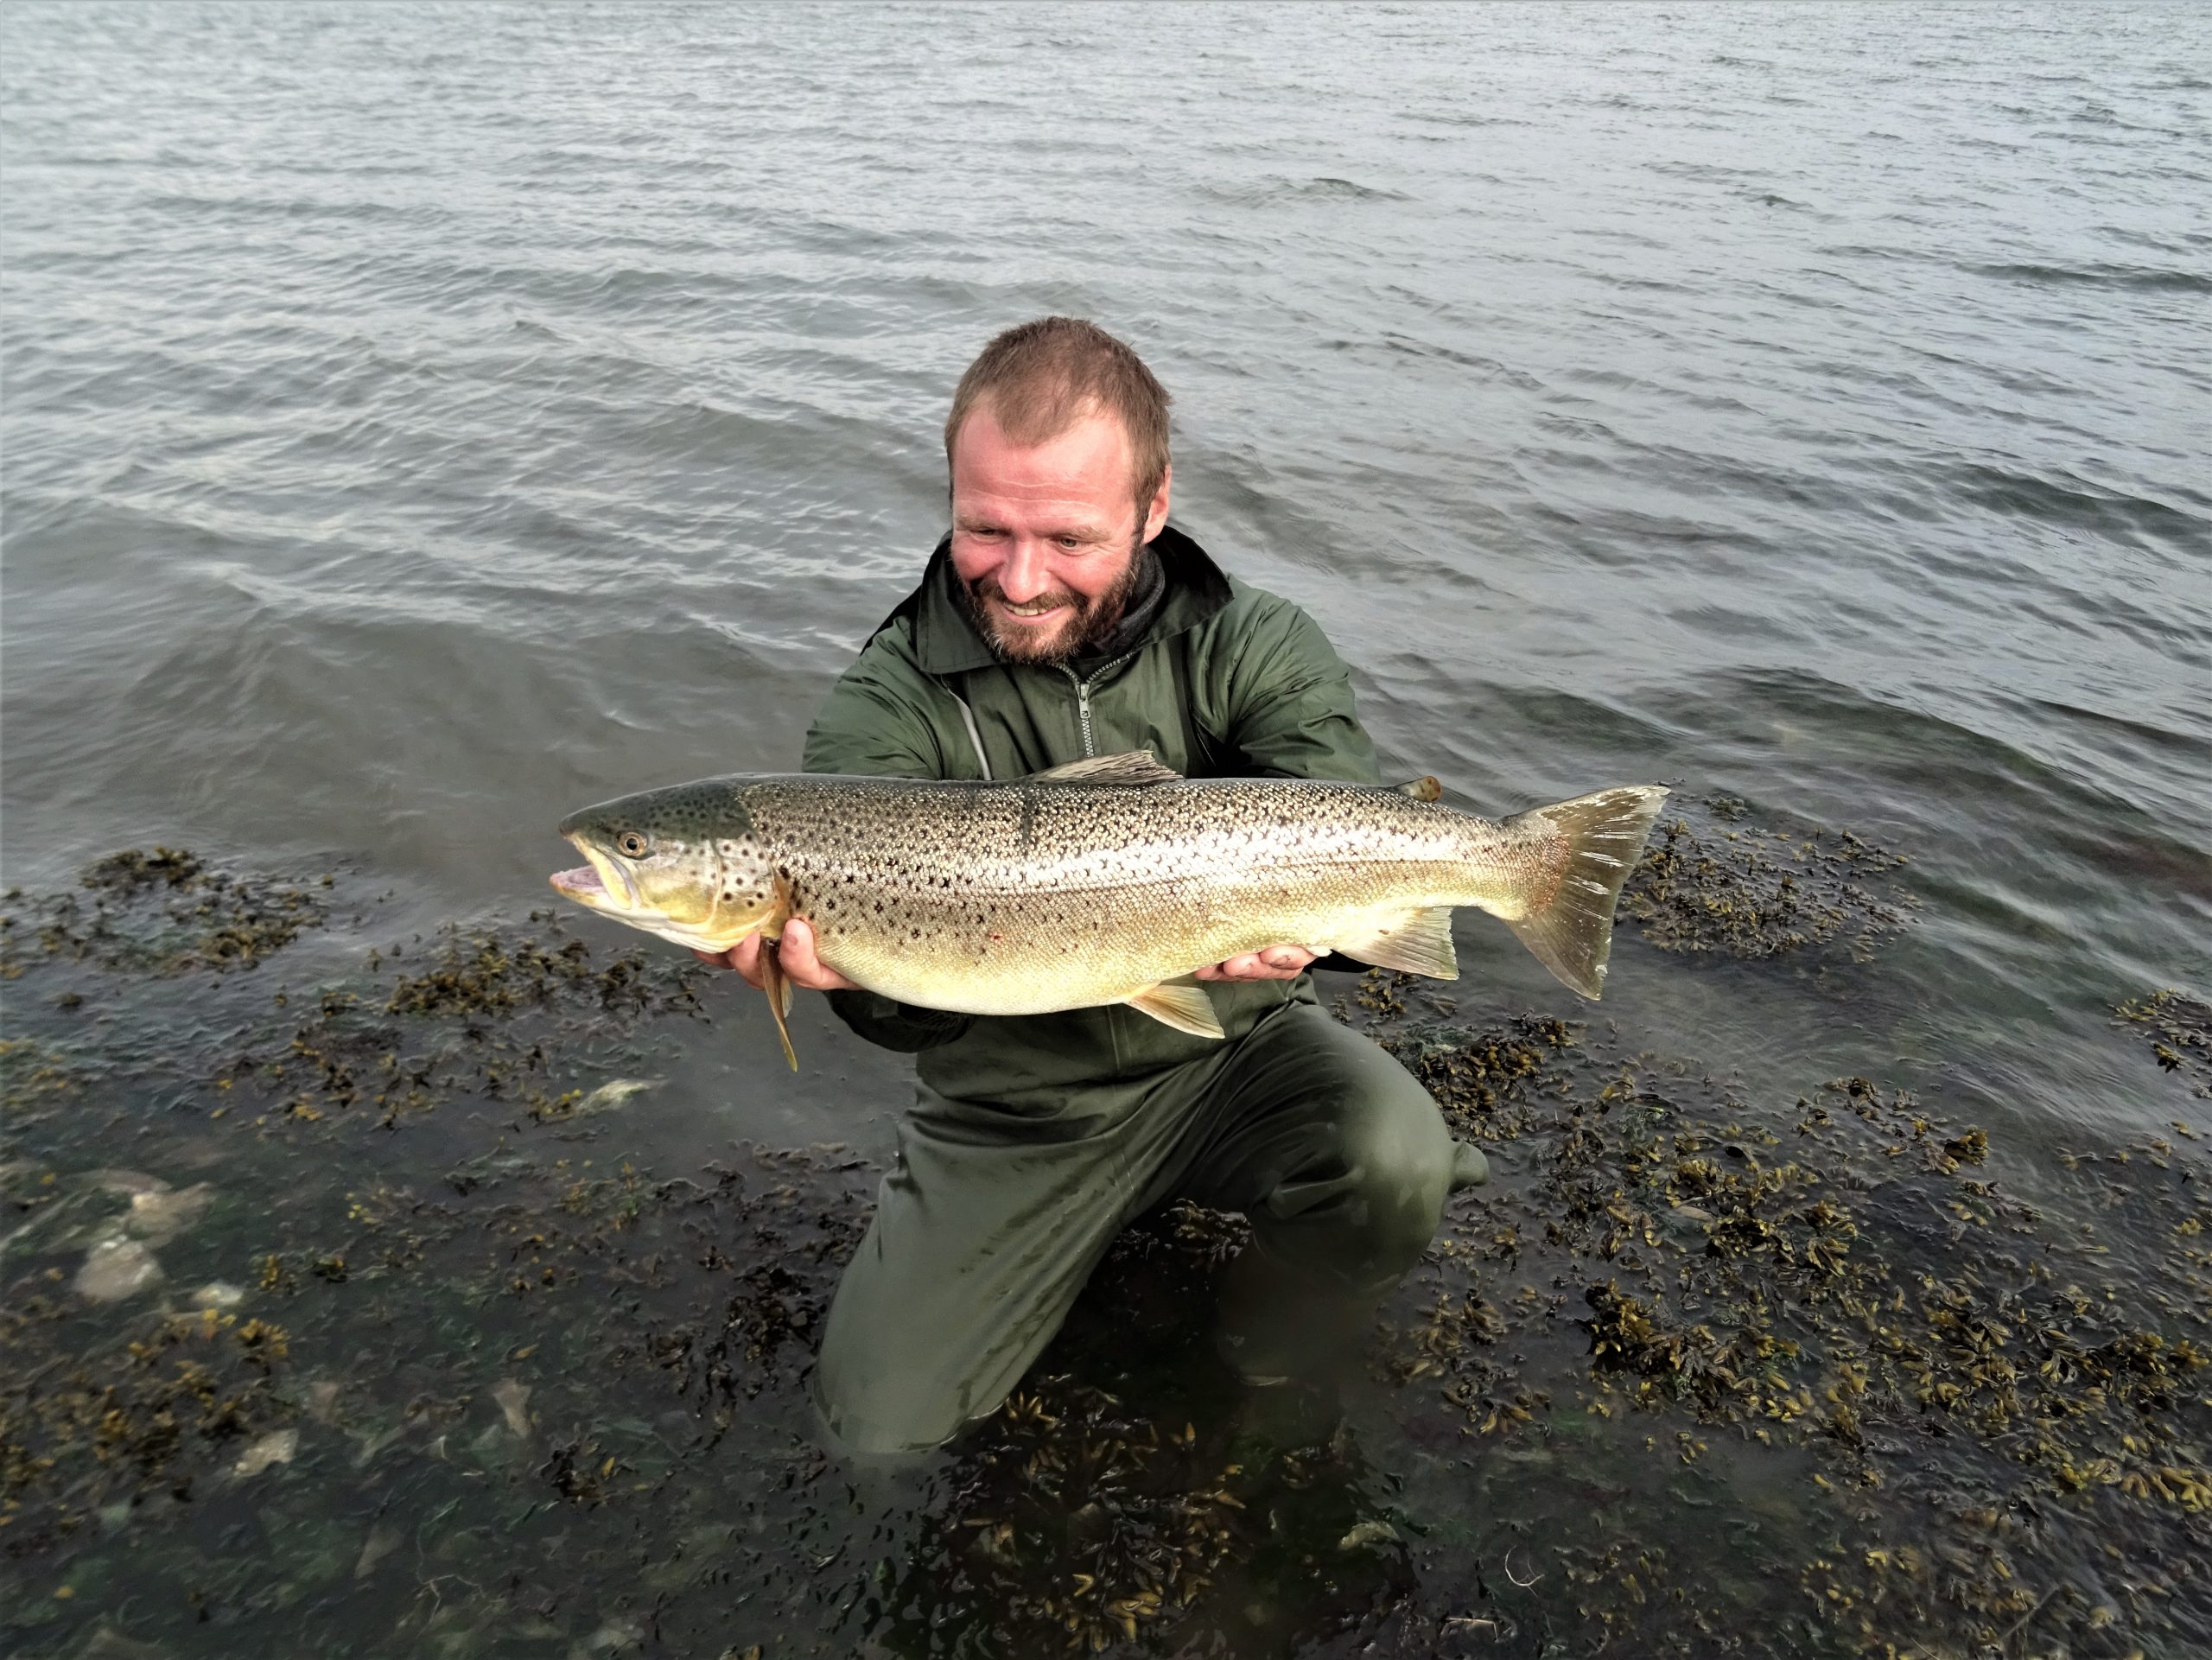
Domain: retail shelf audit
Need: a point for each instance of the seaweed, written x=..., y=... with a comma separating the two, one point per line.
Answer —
x=1760, y=892
x=1699, y=1373
x=166, y=912
x=2178, y=1029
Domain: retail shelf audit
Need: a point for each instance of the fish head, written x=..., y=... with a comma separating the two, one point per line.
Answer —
x=684, y=863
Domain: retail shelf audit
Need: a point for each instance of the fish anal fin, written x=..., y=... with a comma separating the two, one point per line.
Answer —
x=1418, y=942
x=1184, y=1008
x=1135, y=768
x=1425, y=788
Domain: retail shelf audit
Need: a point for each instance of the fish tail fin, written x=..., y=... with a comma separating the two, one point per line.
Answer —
x=1596, y=840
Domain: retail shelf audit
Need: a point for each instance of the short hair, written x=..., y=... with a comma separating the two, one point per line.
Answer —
x=1041, y=378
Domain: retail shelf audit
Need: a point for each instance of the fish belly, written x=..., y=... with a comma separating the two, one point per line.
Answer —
x=1040, y=953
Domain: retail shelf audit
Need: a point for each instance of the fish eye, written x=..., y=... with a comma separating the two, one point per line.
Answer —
x=632, y=844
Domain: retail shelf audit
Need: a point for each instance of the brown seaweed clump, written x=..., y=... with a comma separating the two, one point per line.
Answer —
x=2179, y=1031
x=1982, y=1395
x=1754, y=892
x=163, y=911
x=154, y=1410
x=1084, y=1522
x=485, y=1018
x=485, y=975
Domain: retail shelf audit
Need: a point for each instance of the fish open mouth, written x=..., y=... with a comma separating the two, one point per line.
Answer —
x=601, y=883
x=582, y=885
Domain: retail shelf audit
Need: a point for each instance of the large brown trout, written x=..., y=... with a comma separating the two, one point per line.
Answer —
x=1103, y=881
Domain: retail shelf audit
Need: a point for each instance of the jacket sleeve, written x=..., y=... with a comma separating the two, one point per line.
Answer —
x=1289, y=701
x=1292, y=716
x=876, y=723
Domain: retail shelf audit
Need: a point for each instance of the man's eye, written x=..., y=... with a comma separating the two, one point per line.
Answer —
x=1068, y=541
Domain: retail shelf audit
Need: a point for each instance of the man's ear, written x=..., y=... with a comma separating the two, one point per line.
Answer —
x=1155, y=516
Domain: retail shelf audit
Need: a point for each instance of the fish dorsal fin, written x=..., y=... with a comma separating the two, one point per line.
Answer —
x=1135, y=768
x=1422, y=789
x=1420, y=941
x=1184, y=1008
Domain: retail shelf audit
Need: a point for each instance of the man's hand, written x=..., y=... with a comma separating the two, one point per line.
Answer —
x=801, y=966
x=1275, y=963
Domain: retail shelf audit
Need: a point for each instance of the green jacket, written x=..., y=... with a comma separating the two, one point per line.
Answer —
x=1227, y=682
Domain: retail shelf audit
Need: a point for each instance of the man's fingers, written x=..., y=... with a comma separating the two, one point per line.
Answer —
x=745, y=957
x=1275, y=963
x=801, y=966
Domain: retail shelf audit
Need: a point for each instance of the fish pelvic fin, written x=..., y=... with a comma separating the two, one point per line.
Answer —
x=1598, y=839
x=1418, y=942
x=780, y=996
x=1184, y=1008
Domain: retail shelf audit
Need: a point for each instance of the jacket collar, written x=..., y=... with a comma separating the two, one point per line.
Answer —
x=946, y=642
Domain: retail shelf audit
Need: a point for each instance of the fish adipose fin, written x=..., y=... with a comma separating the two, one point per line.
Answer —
x=1418, y=942
x=1600, y=838
x=1136, y=767
x=1184, y=1008
x=1424, y=788
x=780, y=996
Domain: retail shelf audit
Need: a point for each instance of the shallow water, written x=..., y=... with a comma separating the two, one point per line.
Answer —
x=421, y=422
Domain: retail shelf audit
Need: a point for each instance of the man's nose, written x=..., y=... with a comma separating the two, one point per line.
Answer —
x=1024, y=576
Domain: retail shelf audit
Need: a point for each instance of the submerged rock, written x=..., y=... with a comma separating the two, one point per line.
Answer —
x=117, y=1267
x=614, y=1093
x=514, y=1400
x=131, y=1182
x=108, y=1644
x=381, y=1542
x=160, y=1216
x=278, y=1446
x=1368, y=1533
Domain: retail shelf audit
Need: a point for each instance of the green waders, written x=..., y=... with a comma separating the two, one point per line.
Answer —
x=1035, y=1138
x=991, y=1221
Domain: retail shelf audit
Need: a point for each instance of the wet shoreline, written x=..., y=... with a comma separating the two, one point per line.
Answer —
x=331, y=1320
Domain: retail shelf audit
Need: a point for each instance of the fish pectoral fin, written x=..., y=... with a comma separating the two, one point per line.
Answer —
x=1135, y=768
x=780, y=996
x=1420, y=941
x=1424, y=788
x=1184, y=1008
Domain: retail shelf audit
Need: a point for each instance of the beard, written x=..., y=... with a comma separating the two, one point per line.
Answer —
x=1090, y=620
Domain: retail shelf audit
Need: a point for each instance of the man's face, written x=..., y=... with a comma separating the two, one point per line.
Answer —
x=1045, y=536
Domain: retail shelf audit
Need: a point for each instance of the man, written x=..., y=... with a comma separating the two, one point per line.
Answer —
x=1062, y=618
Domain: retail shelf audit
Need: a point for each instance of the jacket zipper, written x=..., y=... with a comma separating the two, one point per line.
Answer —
x=1083, y=697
